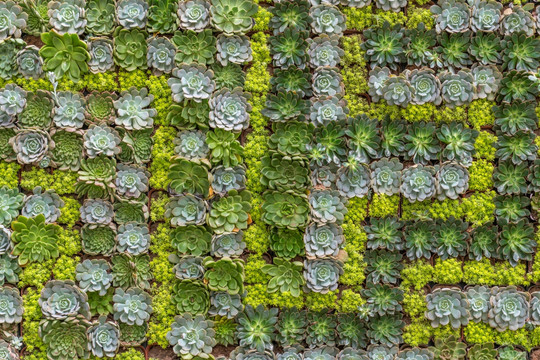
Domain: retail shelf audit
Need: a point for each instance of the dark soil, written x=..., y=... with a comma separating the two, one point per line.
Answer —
x=220, y=350
x=156, y=352
x=535, y=355
x=33, y=40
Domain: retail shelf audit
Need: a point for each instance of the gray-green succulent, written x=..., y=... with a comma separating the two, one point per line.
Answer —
x=60, y=300
x=192, y=336
x=132, y=307
x=67, y=16
x=101, y=55
x=133, y=111
x=46, y=203
x=94, y=276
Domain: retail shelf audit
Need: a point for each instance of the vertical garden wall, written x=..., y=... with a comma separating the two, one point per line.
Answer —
x=286, y=180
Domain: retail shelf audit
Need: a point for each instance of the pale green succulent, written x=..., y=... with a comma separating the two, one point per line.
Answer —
x=104, y=338
x=68, y=151
x=131, y=181
x=192, y=336
x=323, y=240
x=101, y=16
x=224, y=304
x=228, y=245
x=11, y=308
x=94, y=276
x=133, y=238
x=517, y=20
x=132, y=13
x=452, y=181
x=160, y=55
x=327, y=81
x=426, y=86
x=186, y=210
x=233, y=16
x=35, y=241
x=11, y=202
x=69, y=110
x=9, y=48
x=132, y=307
x=415, y=354
x=398, y=91
x=133, y=111
x=229, y=110
x=12, y=102
x=457, y=89
x=486, y=81
x=60, y=300
x=101, y=55
x=67, y=16
x=65, y=339
x=534, y=310
x=230, y=212
x=322, y=275
x=446, y=306
x=191, y=82
x=327, y=109
x=285, y=276
x=64, y=55
x=187, y=267
x=30, y=63
x=9, y=268
x=391, y=5
x=46, y=203
x=327, y=206
x=451, y=16
x=486, y=15
x=324, y=50
x=386, y=176
x=101, y=140
x=479, y=303
x=353, y=178
x=226, y=179
x=418, y=183
x=233, y=49
x=509, y=308
x=130, y=48
x=327, y=19
x=191, y=144
x=12, y=19
x=194, y=14
x=97, y=211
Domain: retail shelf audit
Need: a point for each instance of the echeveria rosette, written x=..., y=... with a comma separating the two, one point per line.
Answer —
x=486, y=81
x=390, y=5
x=285, y=276
x=285, y=106
x=188, y=177
x=324, y=50
x=30, y=63
x=104, y=338
x=226, y=179
x=519, y=115
x=324, y=175
x=101, y=55
x=376, y=82
x=517, y=20
x=101, y=139
x=192, y=336
x=133, y=238
x=230, y=213
x=224, y=275
x=30, y=234
x=415, y=354
x=94, y=276
x=420, y=143
x=451, y=238
x=98, y=239
x=327, y=206
x=322, y=275
x=327, y=109
x=451, y=16
x=284, y=173
x=386, y=330
x=458, y=142
x=289, y=15
x=130, y=49
x=233, y=49
x=285, y=210
x=46, y=203
x=518, y=148
x=97, y=211
x=229, y=110
x=67, y=16
x=228, y=244
x=9, y=267
x=233, y=17
x=65, y=339
x=12, y=309
x=160, y=55
x=426, y=87
x=186, y=210
x=483, y=242
x=418, y=183
x=386, y=176
x=384, y=46
x=132, y=13
x=191, y=145
x=517, y=242
x=60, y=300
x=31, y=146
x=534, y=309
x=327, y=19
x=447, y=306
x=187, y=267
x=353, y=179
x=457, y=89
x=486, y=15
x=397, y=91
x=12, y=101
x=64, y=55
x=131, y=181
x=479, y=303
x=11, y=202
x=190, y=296
x=509, y=308
x=194, y=14
x=12, y=19
x=133, y=111
x=132, y=307
x=323, y=240
x=384, y=233
x=69, y=110
x=292, y=79
x=383, y=299
x=101, y=17
x=419, y=239
x=452, y=181
x=8, y=52
x=517, y=85
x=286, y=243
x=327, y=82
x=192, y=82
x=289, y=48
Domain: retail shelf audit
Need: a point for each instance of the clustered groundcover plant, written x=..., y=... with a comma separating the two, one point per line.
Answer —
x=233, y=179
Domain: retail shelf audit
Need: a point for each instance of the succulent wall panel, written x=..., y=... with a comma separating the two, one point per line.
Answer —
x=269, y=180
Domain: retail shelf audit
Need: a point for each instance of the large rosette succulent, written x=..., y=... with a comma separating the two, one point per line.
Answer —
x=12, y=20
x=509, y=308
x=446, y=306
x=131, y=181
x=60, y=300
x=133, y=111
x=457, y=89
x=104, y=338
x=191, y=82
x=101, y=139
x=132, y=13
x=69, y=110
x=11, y=308
x=229, y=110
x=233, y=16
x=323, y=240
x=46, y=203
x=452, y=181
x=30, y=63
x=418, y=183
x=12, y=102
x=451, y=16
x=185, y=210
x=426, y=86
x=31, y=146
x=386, y=176
x=233, y=49
x=479, y=303
x=486, y=15
x=160, y=56
x=132, y=307
x=327, y=19
x=192, y=336
x=194, y=14
x=486, y=81
x=94, y=276
x=67, y=16
x=327, y=206
x=322, y=275
x=101, y=55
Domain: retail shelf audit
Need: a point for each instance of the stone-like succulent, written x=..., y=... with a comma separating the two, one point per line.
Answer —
x=130, y=49
x=31, y=146
x=426, y=87
x=133, y=238
x=69, y=110
x=133, y=306
x=452, y=181
x=132, y=13
x=233, y=16
x=30, y=63
x=133, y=111
x=12, y=306
x=324, y=50
x=451, y=16
x=457, y=89
x=327, y=206
x=256, y=327
x=104, y=338
x=234, y=49
x=186, y=210
x=194, y=14
x=386, y=176
x=446, y=306
x=509, y=308
x=479, y=303
x=67, y=16
x=101, y=55
x=60, y=300
x=160, y=56
x=327, y=19
x=191, y=82
x=101, y=17
x=228, y=245
x=46, y=203
x=323, y=240
x=131, y=181
x=97, y=211
x=192, y=337
x=418, y=183
x=226, y=179
x=322, y=275
x=101, y=139
x=229, y=110
x=65, y=339
x=94, y=276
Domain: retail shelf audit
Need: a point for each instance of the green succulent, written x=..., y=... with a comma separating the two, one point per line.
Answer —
x=323, y=352
x=256, y=327
x=190, y=296
x=189, y=115
x=291, y=326
x=284, y=173
x=517, y=85
x=483, y=242
x=12, y=306
x=457, y=89
x=11, y=202
x=351, y=332
x=64, y=55
x=192, y=337
x=321, y=329
x=330, y=145
x=65, y=339
x=9, y=268
x=67, y=16
x=9, y=48
x=285, y=106
x=518, y=115
x=446, y=306
x=132, y=307
x=132, y=335
x=162, y=16
x=187, y=176
x=364, y=138
x=384, y=46
x=286, y=243
x=38, y=19
x=486, y=48
x=225, y=331
x=229, y=76
x=289, y=48
x=451, y=16
x=449, y=348
x=35, y=241
x=516, y=242
x=421, y=145
x=392, y=135
x=517, y=20
x=420, y=46
x=518, y=147
x=38, y=110
x=6, y=150
x=290, y=15
x=327, y=206
x=291, y=138
x=520, y=52
x=224, y=275
x=383, y=266
x=98, y=239
x=451, y=238
x=386, y=330
x=418, y=183
x=511, y=353
x=322, y=275
x=509, y=308
x=453, y=49
x=482, y=351
x=384, y=233
x=292, y=79
x=230, y=213
x=285, y=210
x=452, y=181
x=100, y=107
x=286, y=276
x=233, y=16
x=383, y=299
x=96, y=177
x=510, y=178
x=195, y=47
x=191, y=240
x=100, y=16
x=126, y=211
x=130, y=48
x=459, y=142
x=324, y=50
x=420, y=239
x=327, y=19
x=224, y=147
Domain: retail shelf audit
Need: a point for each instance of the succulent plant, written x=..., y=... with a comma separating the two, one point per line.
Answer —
x=291, y=138
x=132, y=335
x=224, y=146
x=96, y=177
x=458, y=141
x=230, y=213
x=323, y=240
x=510, y=179
x=67, y=16
x=482, y=351
x=34, y=239
x=384, y=46
x=132, y=13
x=104, y=338
x=520, y=52
x=516, y=116
x=420, y=239
x=327, y=109
x=101, y=55
x=383, y=266
x=382, y=352
x=187, y=176
x=30, y=63
x=397, y=91
x=256, y=327
x=292, y=79
x=291, y=15
x=12, y=309
x=230, y=76
x=229, y=110
x=327, y=19
x=426, y=87
x=130, y=49
x=60, y=300
x=195, y=47
x=8, y=351
x=126, y=211
x=415, y=354
x=233, y=16
x=483, y=242
x=327, y=206
x=191, y=240
x=133, y=306
x=100, y=16
x=9, y=268
x=286, y=243
x=11, y=202
x=418, y=183
x=321, y=330
x=452, y=181
x=327, y=82
x=386, y=330
x=516, y=242
x=226, y=179
x=446, y=306
x=391, y=5
x=9, y=48
x=133, y=238
x=224, y=275
x=129, y=271
x=12, y=102
x=324, y=50
x=479, y=302
x=13, y=20
x=509, y=308
x=324, y=175
x=47, y=203
x=453, y=50
x=420, y=143
x=64, y=54
x=162, y=17
x=322, y=353
x=186, y=210
x=228, y=245
x=160, y=56
x=31, y=146
x=510, y=352
x=191, y=145
x=285, y=107
x=192, y=337
x=518, y=147
x=517, y=20
x=485, y=15
x=190, y=296
x=191, y=82
x=329, y=145
x=38, y=110
x=285, y=210
x=131, y=181
x=93, y=275
x=100, y=107
x=225, y=304
x=322, y=275
x=234, y=49
x=285, y=276
x=451, y=238
x=534, y=309
x=98, y=239
x=187, y=267
x=517, y=85
x=383, y=299
x=6, y=150
x=386, y=176
x=69, y=110
x=291, y=326
x=384, y=233
x=194, y=14
x=289, y=48
x=133, y=113
x=457, y=89
x=65, y=339
x=451, y=16
x=97, y=211
x=284, y=172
